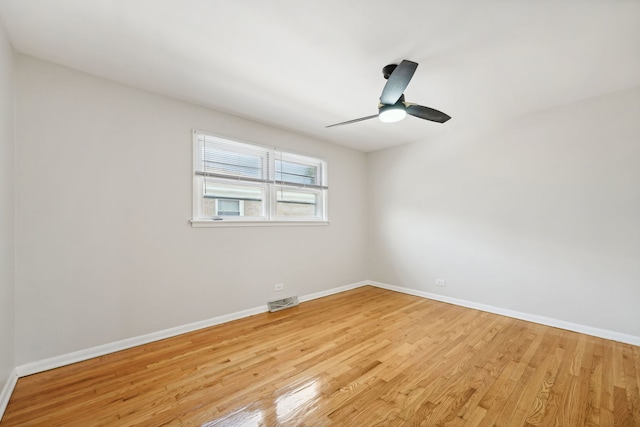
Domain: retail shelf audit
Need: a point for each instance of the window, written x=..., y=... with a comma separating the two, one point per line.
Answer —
x=245, y=183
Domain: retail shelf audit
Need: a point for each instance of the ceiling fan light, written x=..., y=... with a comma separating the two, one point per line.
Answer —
x=391, y=113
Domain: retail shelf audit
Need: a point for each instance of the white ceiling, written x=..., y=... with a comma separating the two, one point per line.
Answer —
x=303, y=64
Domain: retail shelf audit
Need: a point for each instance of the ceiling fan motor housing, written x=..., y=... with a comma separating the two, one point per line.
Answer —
x=386, y=71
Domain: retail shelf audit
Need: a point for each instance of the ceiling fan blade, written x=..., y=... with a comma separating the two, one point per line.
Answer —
x=352, y=121
x=398, y=82
x=427, y=113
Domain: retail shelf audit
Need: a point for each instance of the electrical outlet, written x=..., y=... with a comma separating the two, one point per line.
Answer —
x=440, y=282
x=278, y=286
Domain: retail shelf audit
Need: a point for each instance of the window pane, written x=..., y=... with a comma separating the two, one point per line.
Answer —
x=232, y=200
x=298, y=173
x=230, y=163
x=227, y=207
x=217, y=156
x=296, y=203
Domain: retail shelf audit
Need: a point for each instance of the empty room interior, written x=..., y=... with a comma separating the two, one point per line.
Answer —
x=352, y=213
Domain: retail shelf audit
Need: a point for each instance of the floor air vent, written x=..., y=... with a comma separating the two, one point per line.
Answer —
x=281, y=304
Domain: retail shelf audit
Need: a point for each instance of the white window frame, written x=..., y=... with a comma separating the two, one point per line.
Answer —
x=319, y=192
x=269, y=187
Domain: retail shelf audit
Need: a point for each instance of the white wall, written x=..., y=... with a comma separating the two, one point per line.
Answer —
x=7, y=207
x=104, y=248
x=539, y=214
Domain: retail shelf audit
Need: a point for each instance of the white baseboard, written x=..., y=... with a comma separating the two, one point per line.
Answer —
x=78, y=356
x=101, y=350
x=333, y=291
x=575, y=327
x=7, y=390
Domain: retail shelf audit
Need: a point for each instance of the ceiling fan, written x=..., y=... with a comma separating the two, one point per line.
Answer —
x=392, y=106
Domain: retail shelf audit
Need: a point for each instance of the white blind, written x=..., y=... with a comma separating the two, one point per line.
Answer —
x=221, y=159
x=298, y=171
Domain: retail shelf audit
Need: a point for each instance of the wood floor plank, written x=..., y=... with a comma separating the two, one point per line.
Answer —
x=366, y=357
x=540, y=400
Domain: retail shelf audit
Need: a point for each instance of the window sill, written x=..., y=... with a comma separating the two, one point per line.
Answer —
x=216, y=223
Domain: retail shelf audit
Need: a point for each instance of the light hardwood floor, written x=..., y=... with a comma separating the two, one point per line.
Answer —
x=360, y=358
